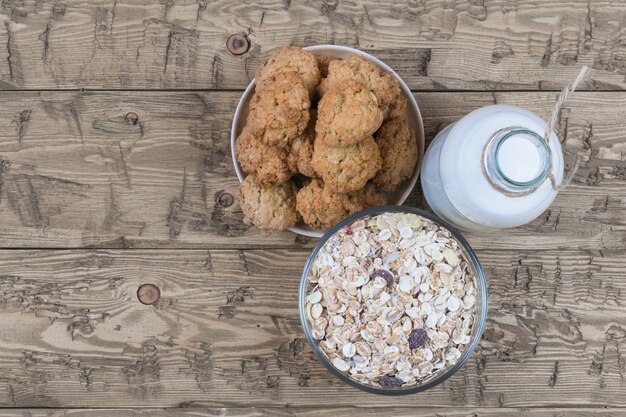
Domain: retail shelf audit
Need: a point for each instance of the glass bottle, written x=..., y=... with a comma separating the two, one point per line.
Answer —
x=492, y=169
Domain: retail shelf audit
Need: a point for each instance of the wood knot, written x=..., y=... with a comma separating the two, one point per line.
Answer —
x=225, y=200
x=148, y=294
x=237, y=44
x=131, y=118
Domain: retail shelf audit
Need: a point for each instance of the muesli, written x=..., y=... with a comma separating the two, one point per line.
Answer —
x=391, y=300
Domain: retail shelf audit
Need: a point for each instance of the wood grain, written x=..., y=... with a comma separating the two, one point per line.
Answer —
x=439, y=44
x=75, y=173
x=226, y=332
x=318, y=412
x=141, y=200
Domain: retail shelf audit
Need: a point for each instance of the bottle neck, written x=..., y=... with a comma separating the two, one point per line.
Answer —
x=516, y=160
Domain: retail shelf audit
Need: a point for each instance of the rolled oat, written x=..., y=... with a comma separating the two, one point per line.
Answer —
x=391, y=300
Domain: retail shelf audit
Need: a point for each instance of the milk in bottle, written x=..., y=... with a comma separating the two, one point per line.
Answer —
x=492, y=169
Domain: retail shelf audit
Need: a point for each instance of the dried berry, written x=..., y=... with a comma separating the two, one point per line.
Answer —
x=417, y=338
x=383, y=273
x=389, y=382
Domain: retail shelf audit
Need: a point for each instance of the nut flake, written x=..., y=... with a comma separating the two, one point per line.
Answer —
x=431, y=321
x=315, y=297
x=316, y=310
x=384, y=234
x=453, y=303
x=406, y=284
x=341, y=364
x=451, y=257
x=392, y=300
x=349, y=350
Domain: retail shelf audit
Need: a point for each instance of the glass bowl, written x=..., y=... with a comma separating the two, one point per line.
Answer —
x=480, y=306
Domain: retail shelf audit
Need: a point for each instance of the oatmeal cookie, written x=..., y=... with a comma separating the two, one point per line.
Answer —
x=397, y=108
x=294, y=60
x=269, y=163
x=349, y=168
x=321, y=207
x=398, y=149
x=301, y=153
x=385, y=86
x=371, y=196
x=347, y=115
x=268, y=207
x=279, y=111
x=322, y=63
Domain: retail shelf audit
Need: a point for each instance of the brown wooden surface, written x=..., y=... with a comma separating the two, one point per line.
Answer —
x=435, y=44
x=226, y=332
x=318, y=412
x=77, y=174
x=94, y=203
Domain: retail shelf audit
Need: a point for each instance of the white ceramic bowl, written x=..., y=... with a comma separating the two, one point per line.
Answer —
x=413, y=116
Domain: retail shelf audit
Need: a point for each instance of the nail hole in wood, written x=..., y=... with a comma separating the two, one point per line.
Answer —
x=131, y=118
x=148, y=294
x=237, y=44
x=225, y=200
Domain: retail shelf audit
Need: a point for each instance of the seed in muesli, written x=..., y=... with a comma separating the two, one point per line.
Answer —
x=391, y=300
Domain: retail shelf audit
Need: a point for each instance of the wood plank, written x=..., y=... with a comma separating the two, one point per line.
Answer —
x=477, y=45
x=226, y=332
x=74, y=173
x=318, y=411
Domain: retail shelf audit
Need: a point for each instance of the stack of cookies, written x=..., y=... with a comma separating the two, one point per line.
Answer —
x=319, y=165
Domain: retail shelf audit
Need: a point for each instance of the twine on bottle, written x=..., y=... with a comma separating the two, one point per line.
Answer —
x=569, y=89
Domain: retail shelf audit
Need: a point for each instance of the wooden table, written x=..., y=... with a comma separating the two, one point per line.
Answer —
x=115, y=171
